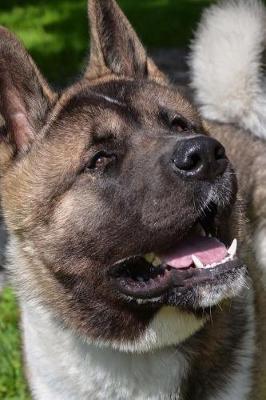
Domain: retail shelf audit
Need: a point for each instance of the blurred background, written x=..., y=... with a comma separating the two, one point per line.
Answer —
x=55, y=32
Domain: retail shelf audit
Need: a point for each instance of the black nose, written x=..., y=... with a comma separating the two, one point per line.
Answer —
x=200, y=157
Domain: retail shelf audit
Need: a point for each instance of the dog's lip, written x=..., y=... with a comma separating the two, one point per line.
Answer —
x=199, y=256
x=150, y=276
x=169, y=278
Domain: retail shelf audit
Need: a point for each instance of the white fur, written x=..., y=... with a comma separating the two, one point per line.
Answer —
x=63, y=367
x=222, y=291
x=169, y=327
x=260, y=250
x=111, y=100
x=226, y=64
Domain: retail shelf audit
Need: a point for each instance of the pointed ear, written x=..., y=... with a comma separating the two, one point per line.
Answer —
x=115, y=47
x=25, y=97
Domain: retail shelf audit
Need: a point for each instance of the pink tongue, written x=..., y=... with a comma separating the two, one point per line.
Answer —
x=208, y=250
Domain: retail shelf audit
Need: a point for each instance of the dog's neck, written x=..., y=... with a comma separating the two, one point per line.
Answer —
x=63, y=366
x=215, y=363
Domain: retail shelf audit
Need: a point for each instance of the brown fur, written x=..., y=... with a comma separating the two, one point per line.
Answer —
x=68, y=227
x=115, y=47
x=248, y=156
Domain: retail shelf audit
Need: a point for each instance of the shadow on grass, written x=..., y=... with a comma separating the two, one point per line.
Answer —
x=56, y=31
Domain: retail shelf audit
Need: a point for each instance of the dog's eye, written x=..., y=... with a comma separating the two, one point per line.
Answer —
x=180, y=124
x=101, y=161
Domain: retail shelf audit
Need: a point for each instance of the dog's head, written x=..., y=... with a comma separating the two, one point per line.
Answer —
x=120, y=207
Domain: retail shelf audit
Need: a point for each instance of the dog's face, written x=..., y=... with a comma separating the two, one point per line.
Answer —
x=111, y=192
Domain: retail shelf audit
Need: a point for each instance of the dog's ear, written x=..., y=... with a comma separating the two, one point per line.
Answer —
x=25, y=97
x=115, y=47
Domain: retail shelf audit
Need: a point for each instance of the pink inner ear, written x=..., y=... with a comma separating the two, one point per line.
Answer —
x=15, y=115
x=21, y=129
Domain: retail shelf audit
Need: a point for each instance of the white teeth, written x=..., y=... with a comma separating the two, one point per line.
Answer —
x=231, y=254
x=156, y=262
x=149, y=257
x=197, y=262
x=232, y=249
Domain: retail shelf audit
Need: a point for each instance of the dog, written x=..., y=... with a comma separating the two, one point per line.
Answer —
x=128, y=241
x=227, y=77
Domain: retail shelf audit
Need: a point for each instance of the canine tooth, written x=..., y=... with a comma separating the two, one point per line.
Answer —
x=197, y=262
x=149, y=257
x=232, y=249
x=228, y=258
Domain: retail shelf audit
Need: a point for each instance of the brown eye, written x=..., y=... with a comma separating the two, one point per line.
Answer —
x=101, y=161
x=180, y=124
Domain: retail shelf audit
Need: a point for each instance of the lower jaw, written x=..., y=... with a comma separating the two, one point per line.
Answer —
x=199, y=299
x=187, y=288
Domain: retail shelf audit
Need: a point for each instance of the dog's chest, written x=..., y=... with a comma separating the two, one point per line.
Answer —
x=64, y=368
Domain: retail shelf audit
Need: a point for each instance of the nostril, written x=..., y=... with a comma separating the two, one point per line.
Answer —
x=200, y=157
x=219, y=152
x=188, y=163
x=196, y=161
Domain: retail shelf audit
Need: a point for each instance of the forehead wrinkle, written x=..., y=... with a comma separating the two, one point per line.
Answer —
x=90, y=98
x=111, y=100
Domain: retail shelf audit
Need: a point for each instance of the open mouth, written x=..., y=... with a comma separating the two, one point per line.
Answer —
x=198, y=259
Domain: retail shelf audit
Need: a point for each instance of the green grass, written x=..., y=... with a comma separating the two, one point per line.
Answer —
x=56, y=31
x=12, y=383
